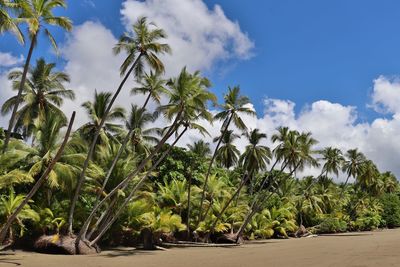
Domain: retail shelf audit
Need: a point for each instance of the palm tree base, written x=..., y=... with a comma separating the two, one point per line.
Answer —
x=58, y=244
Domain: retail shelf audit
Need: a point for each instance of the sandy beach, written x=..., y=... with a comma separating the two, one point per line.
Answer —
x=379, y=248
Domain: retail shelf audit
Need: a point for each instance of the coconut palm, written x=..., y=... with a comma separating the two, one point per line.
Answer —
x=44, y=92
x=235, y=105
x=8, y=205
x=256, y=156
x=151, y=85
x=200, y=148
x=352, y=165
x=333, y=159
x=189, y=96
x=37, y=14
x=142, y=47
x=227, y=155
x=97, y=111
x=9, y=23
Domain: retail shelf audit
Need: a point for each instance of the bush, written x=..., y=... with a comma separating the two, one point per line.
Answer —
x=367, y=220
x=331, y=225
x=391, y=210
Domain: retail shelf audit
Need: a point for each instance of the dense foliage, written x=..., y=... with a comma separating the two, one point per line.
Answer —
x=120, y=179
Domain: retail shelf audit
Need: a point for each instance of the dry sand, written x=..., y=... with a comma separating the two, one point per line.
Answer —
x=380, y=248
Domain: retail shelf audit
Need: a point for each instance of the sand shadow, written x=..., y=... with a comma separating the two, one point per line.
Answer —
x=346, y=235
x=113, y=253
x=9, y=262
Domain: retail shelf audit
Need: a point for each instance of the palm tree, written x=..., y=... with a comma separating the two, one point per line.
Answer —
x=36, y=14
x=235, y=105
x=333, y=159
x=352, y=165
x=227, y=155
x=141, y=137
x=142, y=47
x=296, y=152
x=152, y=85
x=7, y=22
x=8, y=205
x=188, y=96
x=45, y=175
x=96, y=111
x=200, y=148
x=254, y=159
x=44, y=92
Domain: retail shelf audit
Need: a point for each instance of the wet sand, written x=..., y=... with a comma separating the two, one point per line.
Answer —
x=379, y=248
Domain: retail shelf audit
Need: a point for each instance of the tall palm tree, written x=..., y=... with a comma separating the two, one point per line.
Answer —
x=333, y=159
x=234, y=106
x=256, y=156
x=143, y=47
x=296, y=152
x=9, y=23
x=44, y=92
x=352, y=165
x=254, y=159
x=200, y=148
x=151, y=85
x=227, y=154
x=189, y=97
x=97, y=112
x=37, y=14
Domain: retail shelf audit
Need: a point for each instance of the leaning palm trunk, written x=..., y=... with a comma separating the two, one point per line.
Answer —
x=237, y=192
x=135, y=189
x=259, y=203
x=344, y=186
x=38, y=184
x=124, y=183
x=128, y=136
x=203, y=194
x=20, y=89
x=93, y=145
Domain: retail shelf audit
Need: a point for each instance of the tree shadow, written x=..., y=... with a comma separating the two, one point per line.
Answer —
x=123, y=252
x=9, y=262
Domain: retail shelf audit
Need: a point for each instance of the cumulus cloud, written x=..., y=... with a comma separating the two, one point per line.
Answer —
x=8, y=60
x=386, y=95
x=332, y=124
x=199, y=36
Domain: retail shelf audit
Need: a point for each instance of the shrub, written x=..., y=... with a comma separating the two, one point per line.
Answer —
x=331, y=225
x=391, y=210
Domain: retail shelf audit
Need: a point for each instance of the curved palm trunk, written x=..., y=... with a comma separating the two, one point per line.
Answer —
x=203, y=195
x=92, y=147
x=39, y=182
x=20, y=89
x=257, y=204
x=134, y=190
x=344, y=186
x=237, y=192
x=124, y=183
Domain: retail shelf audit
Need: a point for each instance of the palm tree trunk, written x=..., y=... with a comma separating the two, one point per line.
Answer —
x=137, y=187
x=344, y=186
x=93, y=145
x=203, y=195
x=122, y=185
x=243, y=182
x=39, y=182
x=257, y=204
x=20, y=89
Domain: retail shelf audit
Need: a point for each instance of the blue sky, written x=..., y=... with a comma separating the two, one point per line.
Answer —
x=319, y=66
x=304, y=50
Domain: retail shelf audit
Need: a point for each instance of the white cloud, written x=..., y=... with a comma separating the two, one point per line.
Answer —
x=199, y=36
x=8, y=60
x=386, y=95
